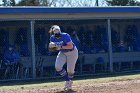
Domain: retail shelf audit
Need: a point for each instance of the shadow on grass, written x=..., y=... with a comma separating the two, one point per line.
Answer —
x=51, y=80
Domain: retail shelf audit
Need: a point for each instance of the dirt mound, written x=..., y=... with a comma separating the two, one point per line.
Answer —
x=130, y=86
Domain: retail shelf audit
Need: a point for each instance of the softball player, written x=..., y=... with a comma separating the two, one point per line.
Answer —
x=68, y=54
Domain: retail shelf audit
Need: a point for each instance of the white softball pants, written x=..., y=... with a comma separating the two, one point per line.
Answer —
x=69, y=58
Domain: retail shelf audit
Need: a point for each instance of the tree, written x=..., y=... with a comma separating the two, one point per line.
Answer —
x=122, y=2
x=4, y=2
x=55, y=3
x=9, y=3
x=134, y=3
x=80, y=3
x=44, y=2
x=12, y=3
x=28, y=3
x=48, y=3
x=22, y=3
x=32, y=3
x=58, y=3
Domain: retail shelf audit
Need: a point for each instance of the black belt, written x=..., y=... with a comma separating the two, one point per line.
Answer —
x=69, y=50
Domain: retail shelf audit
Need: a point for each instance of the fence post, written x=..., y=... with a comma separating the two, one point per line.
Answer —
x=110, y=45
x=32, y=22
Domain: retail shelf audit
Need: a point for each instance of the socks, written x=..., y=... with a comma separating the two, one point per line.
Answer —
x=70, y=76
x=64, y=74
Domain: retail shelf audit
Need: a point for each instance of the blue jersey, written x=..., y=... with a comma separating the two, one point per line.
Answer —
x=12, y=56
x=63, y=40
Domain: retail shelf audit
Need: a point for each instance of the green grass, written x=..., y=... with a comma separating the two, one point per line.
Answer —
x=77, y=81
x=31, y=85
x=109, y=79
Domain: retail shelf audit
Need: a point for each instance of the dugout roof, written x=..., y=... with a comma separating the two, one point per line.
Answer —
x=70, y=13
x=11, y=10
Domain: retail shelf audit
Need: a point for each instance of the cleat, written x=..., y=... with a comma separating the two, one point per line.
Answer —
x=68, y=85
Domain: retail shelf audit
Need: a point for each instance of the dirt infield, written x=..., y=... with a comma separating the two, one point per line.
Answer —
x=129, y=86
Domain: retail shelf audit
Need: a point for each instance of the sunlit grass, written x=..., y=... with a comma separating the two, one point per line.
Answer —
x=34, y=84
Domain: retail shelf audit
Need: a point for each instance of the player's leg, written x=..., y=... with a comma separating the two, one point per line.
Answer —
x=71, y=62
x=60, y=61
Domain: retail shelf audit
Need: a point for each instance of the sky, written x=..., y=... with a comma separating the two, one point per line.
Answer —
x=100, y=1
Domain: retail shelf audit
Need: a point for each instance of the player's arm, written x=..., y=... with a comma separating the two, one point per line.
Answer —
x=69, y=45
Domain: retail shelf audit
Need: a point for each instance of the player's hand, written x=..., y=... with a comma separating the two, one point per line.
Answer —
x=57, y=46
x=53, y=49
x=52, y=45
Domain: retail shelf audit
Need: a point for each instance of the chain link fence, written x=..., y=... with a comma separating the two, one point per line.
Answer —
x=15, y=50
x=125, y=44
x=90, y=37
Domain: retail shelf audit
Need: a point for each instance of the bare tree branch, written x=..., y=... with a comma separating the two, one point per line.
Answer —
x=51, y=3
x=62, y=3
x=69, y=2
x=103, y=3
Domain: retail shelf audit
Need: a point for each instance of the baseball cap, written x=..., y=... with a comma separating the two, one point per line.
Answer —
x=56, y=28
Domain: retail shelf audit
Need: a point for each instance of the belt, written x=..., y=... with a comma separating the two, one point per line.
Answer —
x=69, y=50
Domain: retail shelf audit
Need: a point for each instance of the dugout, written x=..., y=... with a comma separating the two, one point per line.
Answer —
x=109, y=38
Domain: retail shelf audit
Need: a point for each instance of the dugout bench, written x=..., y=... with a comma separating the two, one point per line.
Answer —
x=122, y=61
x=87, y=63
x=126, y=60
